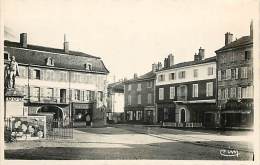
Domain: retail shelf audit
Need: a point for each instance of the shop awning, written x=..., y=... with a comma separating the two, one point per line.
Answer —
x=236, y=111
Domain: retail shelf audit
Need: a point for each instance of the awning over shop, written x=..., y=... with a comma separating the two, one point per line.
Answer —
x=236, y=111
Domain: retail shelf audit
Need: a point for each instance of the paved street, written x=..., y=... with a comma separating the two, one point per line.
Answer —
x=136, y=142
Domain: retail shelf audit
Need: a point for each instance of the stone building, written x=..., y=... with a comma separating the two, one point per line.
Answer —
x=65, y=83
x=235, y=80
x=139, y=98
x=115, y=102
x=186, y=92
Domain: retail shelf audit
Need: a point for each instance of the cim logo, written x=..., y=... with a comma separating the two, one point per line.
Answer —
x=229, y=152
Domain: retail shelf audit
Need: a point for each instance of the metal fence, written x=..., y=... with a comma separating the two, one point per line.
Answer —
x=59, y=129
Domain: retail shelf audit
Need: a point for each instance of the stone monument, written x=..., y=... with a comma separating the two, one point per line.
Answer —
x=14, y=104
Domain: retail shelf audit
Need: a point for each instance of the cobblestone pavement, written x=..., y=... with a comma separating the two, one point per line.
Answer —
x=134, y=142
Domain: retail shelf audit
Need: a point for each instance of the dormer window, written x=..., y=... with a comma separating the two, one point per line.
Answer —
x=88, y=66
x=6, y=56
x=50, y=61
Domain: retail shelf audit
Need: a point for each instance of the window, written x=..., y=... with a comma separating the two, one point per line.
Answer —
x=195, y=73
x=139, y=87
x=139, y=99
x=221, y=94
x=209, y=89
x=247, y=55
x=233, y=74
x=228, y=74
x=86, y=95
x=181, y=74
x=77, y=94
x=149, y=84
x=243, y=72
x=172, y=76
x=6, y=56
x=233, y=92
x=236, y=77
x=194, y=90
x=35, y=94
x=139, y=115
x=36, y=74
x=239, y=92
x=129, y=87
x=161, y=77
x=210, y=71
x=50, y=61
x=49, y=93
x=130, y=115
x=219, y=75
x=161, y=93
x=88, y=66
x=247, y=92
x=129, y=99
x=172, y=92
x=149, y=98
x=226, y=93
x=223, y=75
x=100, y=96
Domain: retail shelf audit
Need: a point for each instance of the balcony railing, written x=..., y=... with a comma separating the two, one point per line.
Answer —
x=181, y=98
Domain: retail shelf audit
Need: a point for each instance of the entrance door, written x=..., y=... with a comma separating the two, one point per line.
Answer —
x=182, y=115
x=149, y=115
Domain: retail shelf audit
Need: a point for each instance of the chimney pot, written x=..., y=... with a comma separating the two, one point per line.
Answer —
x=23, y=40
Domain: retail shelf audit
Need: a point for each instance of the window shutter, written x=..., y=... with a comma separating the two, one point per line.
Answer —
x=236, y=73
x=219, y=75
x=41, y=75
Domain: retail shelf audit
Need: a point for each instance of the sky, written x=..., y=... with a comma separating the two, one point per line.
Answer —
x=130, y=35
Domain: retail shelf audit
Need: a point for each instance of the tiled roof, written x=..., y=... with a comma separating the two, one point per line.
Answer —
x=149, y=75
x=119, y=86
x=245, y=40
x=46, y=49
x=189, y=63
x=37, y=55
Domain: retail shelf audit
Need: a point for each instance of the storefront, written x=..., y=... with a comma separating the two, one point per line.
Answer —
x=82, y=114
x=237, y=113
x=135, y=115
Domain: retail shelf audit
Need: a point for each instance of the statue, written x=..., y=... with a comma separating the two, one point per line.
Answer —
x=11, y=71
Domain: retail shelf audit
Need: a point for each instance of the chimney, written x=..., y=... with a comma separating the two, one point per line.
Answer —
x=228, y=38
x=170, y=60
x=23, y=40
x=201, y=53
x=166, y=63
x=65, y=45
x=251, y=29
x=154, y=67
x=135, y=75
x=196, y=57
x=159, y=66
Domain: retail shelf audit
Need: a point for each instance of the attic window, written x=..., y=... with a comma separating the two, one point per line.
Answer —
x=6, y=56
x=88, y=66
x=50, y=61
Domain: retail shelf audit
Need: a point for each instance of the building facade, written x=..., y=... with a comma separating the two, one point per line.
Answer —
x=235, y=81
x=68, y=84
x=115, y=102
x=186, y=92
x=139, y=95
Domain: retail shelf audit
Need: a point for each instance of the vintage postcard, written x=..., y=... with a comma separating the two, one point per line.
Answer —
x=130, y=81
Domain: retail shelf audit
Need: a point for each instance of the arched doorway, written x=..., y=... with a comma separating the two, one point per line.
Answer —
x=183, y=115
x=51, y=109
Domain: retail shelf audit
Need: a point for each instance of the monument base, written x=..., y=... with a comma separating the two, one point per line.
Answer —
x=14, y=104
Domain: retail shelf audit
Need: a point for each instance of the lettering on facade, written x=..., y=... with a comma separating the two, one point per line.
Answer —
x=16, y=99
